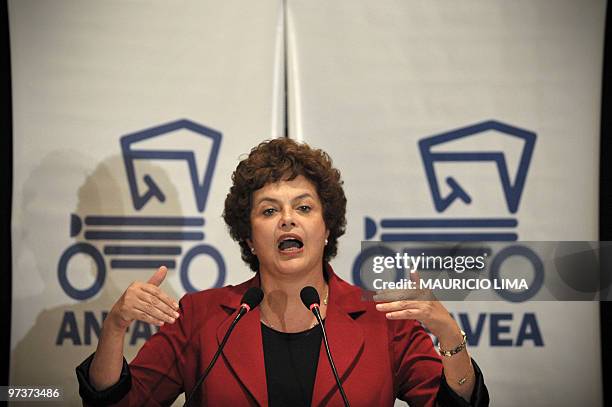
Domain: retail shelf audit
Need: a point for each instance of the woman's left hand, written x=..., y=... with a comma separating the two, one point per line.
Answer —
x=421, y=305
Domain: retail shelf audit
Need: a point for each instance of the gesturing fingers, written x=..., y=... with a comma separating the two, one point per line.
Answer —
x=148, y=303
x=155, y=307
x=398, y=305
x=404, y=309
x=158, y=277
x=145, y=302
x=146, y=317
x=158, y=297
x=405, y=314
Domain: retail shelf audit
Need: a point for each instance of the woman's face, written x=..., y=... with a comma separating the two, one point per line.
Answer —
x=287, y=228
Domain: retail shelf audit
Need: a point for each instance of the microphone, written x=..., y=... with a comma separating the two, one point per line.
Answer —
x=250, y=300
x=310, y=298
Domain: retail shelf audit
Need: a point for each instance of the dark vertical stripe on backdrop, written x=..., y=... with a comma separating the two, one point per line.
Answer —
x=6, y=193
x=285, y=75
x=605, y=203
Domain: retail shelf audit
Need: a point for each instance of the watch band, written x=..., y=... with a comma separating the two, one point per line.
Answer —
x=459, y=348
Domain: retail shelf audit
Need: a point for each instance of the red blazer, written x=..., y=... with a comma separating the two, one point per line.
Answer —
x=377, y=360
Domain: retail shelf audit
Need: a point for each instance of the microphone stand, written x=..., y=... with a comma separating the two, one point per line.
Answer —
x=315, y=310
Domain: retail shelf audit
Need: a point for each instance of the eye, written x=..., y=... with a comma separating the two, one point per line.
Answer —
x=269, y=211
x=304, y=208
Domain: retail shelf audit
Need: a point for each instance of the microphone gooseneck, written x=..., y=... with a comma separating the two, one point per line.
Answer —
x=251, y=299
x=310, y=298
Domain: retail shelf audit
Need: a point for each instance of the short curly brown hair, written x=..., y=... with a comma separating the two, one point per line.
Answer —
x=284, y=159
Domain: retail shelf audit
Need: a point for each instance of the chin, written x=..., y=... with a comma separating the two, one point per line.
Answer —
x=293, y=266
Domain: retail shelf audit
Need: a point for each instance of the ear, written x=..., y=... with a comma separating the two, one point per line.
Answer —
x=326, y=233
x=249, y=242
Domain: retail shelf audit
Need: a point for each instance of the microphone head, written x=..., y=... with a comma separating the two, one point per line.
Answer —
x=252, y=298
x=310, y=297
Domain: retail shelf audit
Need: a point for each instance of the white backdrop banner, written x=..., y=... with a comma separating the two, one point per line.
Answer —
x=129, y=118
x=485, y=111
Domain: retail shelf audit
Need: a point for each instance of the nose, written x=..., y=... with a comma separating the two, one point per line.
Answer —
x=287, y=220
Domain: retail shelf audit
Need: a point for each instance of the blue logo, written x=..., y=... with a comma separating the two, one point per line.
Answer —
x=498, y=229
x=127, y=240
x=201, y=185
x=512, y=189
x=481, y=229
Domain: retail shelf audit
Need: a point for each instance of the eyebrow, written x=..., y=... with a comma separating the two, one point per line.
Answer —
x=297, y=198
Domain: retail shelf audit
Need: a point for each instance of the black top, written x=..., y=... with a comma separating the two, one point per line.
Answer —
x=291, y=365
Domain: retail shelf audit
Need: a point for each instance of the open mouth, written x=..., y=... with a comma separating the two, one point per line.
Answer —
x=290, y=244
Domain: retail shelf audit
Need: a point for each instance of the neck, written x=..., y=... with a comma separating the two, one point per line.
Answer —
x=282, y=308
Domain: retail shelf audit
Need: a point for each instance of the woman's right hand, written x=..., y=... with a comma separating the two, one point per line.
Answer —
x=144, y=302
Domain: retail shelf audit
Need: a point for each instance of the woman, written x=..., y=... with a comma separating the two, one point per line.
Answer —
x=286, y=209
